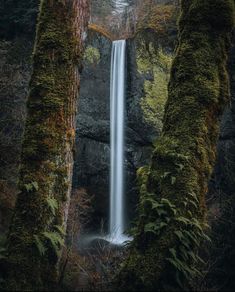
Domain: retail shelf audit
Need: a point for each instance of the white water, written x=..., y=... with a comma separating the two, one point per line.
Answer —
x=117, y=99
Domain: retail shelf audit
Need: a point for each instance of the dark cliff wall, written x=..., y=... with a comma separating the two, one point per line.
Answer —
x=92, y=143
x=143, y=114
x=221, y=199
x=15, y=70
x=224, y=177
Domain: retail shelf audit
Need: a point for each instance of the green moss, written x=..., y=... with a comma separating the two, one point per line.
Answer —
x=155, y=90
x=92, y=55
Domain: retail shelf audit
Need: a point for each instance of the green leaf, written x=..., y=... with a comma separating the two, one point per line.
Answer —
x=31, y=186
x=35, y=185
x=150, y=227
x=156, y=205
x=193, y=203
x=53, y=205
x=192, y=237
x=161, y=212
x=206, y=237
x=190, y=213
x=60, y=229
x=55, y=239
x=194, y=196
x=173, y=252
x=179, y=234
x=161, y=225
x=167, y=202
x=166, y=174
x=181, y=166
x=197, y=224
x=28, y=187
x=173, y=180
x=184, y=252
x=175, y=263
x=183, y=220
x=40, y=246
x=192, y=255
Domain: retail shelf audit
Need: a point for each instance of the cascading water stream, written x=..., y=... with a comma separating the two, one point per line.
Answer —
x=117, y=100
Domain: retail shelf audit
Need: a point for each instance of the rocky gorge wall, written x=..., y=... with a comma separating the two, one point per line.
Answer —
x=15, y=71
x=224, y=178
x=146, y=93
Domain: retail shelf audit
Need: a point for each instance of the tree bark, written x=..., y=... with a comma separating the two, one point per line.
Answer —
x=37, y=230
x=164, y=253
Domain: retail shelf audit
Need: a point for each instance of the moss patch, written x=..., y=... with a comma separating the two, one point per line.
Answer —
x=156, y=64
x=92, y=55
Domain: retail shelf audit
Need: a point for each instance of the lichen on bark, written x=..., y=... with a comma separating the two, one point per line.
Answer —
x=172, y=210
x=39, y=221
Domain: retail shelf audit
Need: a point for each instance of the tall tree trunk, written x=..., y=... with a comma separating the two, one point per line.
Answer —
x=164, y=253
x=39, y=222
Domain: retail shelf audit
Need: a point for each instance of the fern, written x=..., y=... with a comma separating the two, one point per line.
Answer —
x=33, y=186
x=60, y=229
x=40, y=246
x=55, y=239
x=52, y=204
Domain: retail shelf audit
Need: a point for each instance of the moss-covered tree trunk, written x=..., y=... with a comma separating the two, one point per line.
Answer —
x=172, y=208
x=39, y=222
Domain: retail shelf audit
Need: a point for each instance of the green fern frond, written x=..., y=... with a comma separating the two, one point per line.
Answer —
x=55, y=239
x=53, y=205
x=60, y=229
x=40, y=246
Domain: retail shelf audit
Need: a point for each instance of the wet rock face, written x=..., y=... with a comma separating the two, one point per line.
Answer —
x=92, y=141
x=146, y=96
x=15, y=71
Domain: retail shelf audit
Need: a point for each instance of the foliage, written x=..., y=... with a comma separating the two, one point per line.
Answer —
x=92, y=55
x=161, y=16
x=33, y=186
x=40, y=245
x=182, y=257
x=56, y=240
x=52, y=204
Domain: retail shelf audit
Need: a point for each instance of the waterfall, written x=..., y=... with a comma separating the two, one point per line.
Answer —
x=117, y=101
